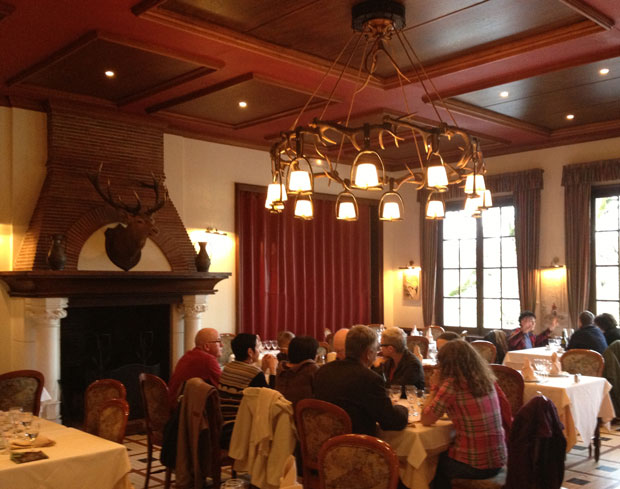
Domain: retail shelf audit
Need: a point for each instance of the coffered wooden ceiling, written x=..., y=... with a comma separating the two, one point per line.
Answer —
x=188, y=63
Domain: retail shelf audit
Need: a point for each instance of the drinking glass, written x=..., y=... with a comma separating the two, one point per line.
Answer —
x=26, y=418
x=420, y=394
x=412, y=399
x=395, y=392
x=233, y=484
x=32, y=430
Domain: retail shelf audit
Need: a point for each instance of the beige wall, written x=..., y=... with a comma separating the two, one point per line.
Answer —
x=201, y=178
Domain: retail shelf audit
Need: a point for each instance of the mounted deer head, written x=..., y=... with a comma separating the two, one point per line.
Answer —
x=124, y=243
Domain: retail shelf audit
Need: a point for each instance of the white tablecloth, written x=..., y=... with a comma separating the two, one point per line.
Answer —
x=514, y=359
x=77, y=461
x=418, y=448
x=578, y=404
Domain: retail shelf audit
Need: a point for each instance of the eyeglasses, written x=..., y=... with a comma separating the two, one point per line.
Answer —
x=384, y=345
x=215, y=341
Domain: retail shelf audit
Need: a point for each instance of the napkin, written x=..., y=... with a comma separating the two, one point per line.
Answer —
x=40, y=441
x=417, y=352
x=528, y=372
x=289, y=479
x=556, y=366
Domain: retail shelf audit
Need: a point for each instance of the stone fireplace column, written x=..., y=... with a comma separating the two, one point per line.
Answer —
x=43, y=319
x=193, y=307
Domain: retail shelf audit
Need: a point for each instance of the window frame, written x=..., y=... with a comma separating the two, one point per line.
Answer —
x=598, y=192
x=500, y=201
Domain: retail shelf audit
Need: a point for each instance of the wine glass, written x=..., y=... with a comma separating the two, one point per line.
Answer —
x=412, y=399
x=420, y=394
x=32, y=430
x=395, y=392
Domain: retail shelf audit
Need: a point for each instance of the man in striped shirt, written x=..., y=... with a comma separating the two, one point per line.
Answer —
x=238, y=375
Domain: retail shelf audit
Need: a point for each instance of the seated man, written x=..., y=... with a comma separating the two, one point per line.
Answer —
x=608, y=324
x=446, y=336
x=339, y=338
x=201, y=362
x=295, y=379
x=350, y=384
x=523, y=337
x=587, y=336
x=400, y=366
x=284, y=339
x=238, y=375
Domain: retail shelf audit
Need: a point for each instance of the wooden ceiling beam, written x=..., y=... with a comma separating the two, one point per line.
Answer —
x=590, y=13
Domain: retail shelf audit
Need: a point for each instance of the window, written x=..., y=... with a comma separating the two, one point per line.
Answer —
x=478, y=284
x=606, y=262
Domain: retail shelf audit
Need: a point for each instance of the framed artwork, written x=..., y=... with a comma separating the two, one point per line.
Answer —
x=411, y=284
x=554, y=298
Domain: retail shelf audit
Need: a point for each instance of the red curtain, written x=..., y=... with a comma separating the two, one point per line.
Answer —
x=302, y=276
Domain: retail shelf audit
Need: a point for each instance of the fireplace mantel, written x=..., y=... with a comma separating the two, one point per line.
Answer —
x=114, y=288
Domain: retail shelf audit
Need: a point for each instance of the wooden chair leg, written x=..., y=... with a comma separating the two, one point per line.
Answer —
x=149, y=461
x=168, y=476
x=597, y=440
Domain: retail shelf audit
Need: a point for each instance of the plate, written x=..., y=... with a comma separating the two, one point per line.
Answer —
x=561, y=374
x=532, y=381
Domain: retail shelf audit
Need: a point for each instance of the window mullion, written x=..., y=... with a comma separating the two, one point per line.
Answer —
x=479, y=276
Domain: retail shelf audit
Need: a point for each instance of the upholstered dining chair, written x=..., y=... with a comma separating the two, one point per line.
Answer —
x=97, y=393
x=511, y=382
x=435, y=331
x=584, y=362
x=486, y=349
x=21, y=388
x=154, y=392
x=421, y=341
x=112, y=419
x=317, y=421
x=350, y=461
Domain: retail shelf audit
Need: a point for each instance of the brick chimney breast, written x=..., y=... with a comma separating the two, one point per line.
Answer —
x=78, y=142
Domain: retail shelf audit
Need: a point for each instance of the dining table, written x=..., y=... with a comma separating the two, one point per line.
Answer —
x=418, y=448
x=580, y=401
x=515, y=358
x=77, y=460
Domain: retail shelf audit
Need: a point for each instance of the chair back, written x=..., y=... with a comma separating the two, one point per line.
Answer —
x=511, y=382
x=428, y=372
x=317, y=421
x=226, y=348
x=435, y=331
x=486, y=349
x=112, y=419
x=97, y=393
x=498, y=338
x=356, y=461
x=421, y=341
x=155, y=400
x=21, y=388
x=584, y=362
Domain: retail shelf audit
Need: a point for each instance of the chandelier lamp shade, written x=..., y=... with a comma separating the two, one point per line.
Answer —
x=446, y=154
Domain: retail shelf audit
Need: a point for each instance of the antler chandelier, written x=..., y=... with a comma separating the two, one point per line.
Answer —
x=302, y=153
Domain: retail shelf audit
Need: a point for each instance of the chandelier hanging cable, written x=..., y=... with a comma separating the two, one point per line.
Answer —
x=301, y=155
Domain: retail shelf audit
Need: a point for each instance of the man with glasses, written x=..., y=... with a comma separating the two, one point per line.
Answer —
x=201, y=361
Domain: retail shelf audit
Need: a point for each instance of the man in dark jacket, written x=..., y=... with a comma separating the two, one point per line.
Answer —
x=351, y=384
x=399, y=365
x=587, y=336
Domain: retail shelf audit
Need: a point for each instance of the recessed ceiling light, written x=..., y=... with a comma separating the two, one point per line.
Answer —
x=570, y=117
x=603, y=71
x=110, y=74
x=504, y=94
x=243, y=104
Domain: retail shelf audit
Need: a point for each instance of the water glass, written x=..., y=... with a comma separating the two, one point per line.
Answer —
x=412, y=399
x=395, y=392
x=233, y=484
x=32, y=431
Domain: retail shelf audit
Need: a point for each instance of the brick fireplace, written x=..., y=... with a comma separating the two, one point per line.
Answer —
x=68, y=204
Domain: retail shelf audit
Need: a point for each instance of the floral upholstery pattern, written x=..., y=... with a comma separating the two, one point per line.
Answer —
x=112, y=420
x=18, y=392
x=157, y=405
x=421, y=341
x=584, y=362
x=486, y=349
x=97, y=393
x=319, y=427
x=350, y=466
x=511, y=382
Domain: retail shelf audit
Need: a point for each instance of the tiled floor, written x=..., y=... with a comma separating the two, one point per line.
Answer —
x=581, y=472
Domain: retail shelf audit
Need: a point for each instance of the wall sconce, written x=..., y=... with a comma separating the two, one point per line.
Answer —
x=411, y=281
x=216, y=231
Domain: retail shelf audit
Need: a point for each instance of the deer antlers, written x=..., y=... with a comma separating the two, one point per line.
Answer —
x=119, y=204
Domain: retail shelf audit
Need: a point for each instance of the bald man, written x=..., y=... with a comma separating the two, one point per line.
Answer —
x=201, y=362
x=339, y=340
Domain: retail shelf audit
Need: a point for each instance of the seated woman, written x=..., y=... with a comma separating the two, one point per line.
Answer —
x=463, y=386
x=398, y=366
x=295, y=379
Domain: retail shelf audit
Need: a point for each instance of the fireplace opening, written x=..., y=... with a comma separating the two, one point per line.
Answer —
x=116, y=342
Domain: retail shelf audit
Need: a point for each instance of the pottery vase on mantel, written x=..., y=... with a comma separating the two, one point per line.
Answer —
x=203, y=262
x=57, y=257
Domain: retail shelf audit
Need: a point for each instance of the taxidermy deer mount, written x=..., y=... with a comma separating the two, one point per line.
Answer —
x=124, y=243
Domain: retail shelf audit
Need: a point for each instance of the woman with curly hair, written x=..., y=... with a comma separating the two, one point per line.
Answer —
x=463, y=386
